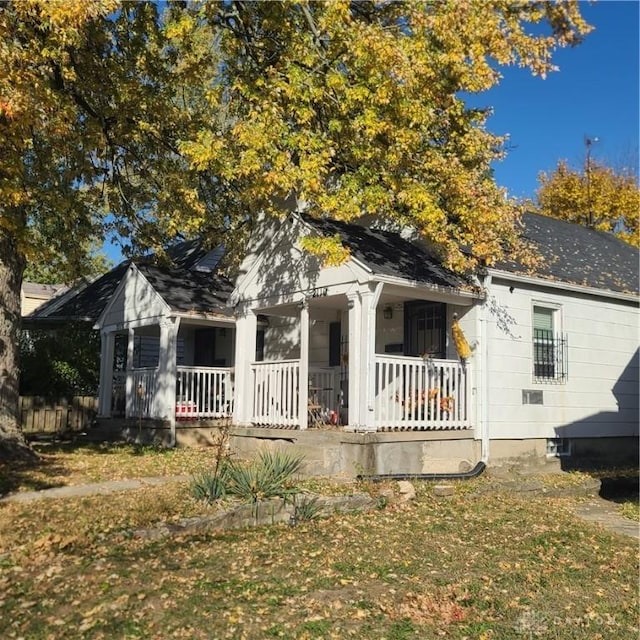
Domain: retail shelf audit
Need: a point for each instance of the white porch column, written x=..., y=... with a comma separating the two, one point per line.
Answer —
x=130, y=392
x=105, y=389
x=369, y=299
x=164, y=405
x=355, y=370
x=245, y=353
x=303, y=383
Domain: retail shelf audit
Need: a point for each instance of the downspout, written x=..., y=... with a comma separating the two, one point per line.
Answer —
x=483, y=392
x=484, y=346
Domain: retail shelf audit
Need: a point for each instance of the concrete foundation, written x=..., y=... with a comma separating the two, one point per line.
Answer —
x=339, y=453
x=584, y=453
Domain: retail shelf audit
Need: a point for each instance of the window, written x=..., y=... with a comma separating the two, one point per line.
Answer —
x=425, y=329
x=549, y=346
x=558, y=447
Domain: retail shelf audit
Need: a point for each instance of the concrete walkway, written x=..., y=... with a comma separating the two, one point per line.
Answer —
x=94, y=488
x=602, y=512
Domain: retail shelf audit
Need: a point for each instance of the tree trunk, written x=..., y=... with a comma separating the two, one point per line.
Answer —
x=12, y=264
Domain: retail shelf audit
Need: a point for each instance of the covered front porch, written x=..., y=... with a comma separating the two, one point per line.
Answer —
x=169, y=356
x=173, y=371
x=365, y=358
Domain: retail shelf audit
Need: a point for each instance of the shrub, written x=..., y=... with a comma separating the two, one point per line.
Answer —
x=269, y=476
x=210, y=486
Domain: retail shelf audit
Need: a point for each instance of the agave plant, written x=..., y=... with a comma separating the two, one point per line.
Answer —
x=210, y=485
x=269, y=476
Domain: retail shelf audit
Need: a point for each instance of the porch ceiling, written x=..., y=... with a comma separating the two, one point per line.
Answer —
x=392, y=293
x=336, y=302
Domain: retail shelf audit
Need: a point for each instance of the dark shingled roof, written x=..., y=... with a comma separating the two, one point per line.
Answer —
x=389, y=254
x=576, y=254
x=87, y=303
x=186, y=291
x=182, y=288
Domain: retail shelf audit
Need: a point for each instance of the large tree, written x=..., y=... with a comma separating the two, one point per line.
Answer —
x=115, y=118
x=595, y=195
x=89, y=122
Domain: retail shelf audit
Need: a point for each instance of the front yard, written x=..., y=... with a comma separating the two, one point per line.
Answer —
x=481, y=564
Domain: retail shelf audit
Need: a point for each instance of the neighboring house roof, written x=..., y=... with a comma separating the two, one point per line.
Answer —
x=33, y=295
x=389, y=254
x=86, y=301
x=576, y=254
x=188, y=285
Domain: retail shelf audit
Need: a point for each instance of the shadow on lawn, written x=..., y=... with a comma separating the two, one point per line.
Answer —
x=49, y=470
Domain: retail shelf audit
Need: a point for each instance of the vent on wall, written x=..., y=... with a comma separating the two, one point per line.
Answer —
x=531, y=396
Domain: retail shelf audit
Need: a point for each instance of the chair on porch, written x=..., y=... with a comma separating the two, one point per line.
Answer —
x=314, y=408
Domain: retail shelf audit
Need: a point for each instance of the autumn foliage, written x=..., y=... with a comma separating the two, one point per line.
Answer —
x=596, y=196
x=155, y=120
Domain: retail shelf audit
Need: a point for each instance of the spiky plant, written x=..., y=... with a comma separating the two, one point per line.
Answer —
x=269, y=476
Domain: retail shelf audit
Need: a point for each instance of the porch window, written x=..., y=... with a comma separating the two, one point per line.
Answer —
x=549, y=346
x=425, y=329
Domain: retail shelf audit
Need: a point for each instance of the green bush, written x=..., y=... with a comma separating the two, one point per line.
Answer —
x=209, y=486
x=269, y=476
x=59, y=363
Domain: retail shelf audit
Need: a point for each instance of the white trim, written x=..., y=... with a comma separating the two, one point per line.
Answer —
x=114, y=296
x=200, y=315
x=566, y=286
x=450, y=292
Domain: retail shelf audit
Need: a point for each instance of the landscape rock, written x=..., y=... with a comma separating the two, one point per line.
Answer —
x=406, y=490
x=443, y=490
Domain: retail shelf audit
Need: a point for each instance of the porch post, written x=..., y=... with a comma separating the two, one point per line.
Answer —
x=105, y=389
x=130, y=395
x=303, y=383
x=368, y=357
x=354, y=381
x=245, y=353
x=164, y=403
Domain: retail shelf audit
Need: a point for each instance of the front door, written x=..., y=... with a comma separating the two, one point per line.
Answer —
x=425, y=329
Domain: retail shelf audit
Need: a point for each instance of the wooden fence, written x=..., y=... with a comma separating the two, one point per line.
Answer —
x=39, y=415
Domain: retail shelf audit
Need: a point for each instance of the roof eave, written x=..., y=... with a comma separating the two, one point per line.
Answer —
x=565, y=286
x=415, y=284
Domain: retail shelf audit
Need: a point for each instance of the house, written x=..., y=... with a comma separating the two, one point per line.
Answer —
x=362, y=354
x=554, y=371
x=33, y=295
x=167, y=335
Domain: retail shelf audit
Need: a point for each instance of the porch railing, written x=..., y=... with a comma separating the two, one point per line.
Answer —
x=204, y=392
x=201, y=392
x=275, y=393
x=424, y=394
x=144, y=392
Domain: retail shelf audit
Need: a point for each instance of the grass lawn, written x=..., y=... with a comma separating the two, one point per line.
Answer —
x=481, y=564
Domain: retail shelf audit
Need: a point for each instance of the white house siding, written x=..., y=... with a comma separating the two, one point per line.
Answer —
x=135, y=301
x=599, y=397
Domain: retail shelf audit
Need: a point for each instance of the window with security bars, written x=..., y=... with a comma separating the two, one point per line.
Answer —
x=549, y=347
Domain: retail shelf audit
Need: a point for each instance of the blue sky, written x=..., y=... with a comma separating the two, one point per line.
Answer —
x=595, y=93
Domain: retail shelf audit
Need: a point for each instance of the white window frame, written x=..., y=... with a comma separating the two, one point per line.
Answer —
x=559, y=377
x=558, y=447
